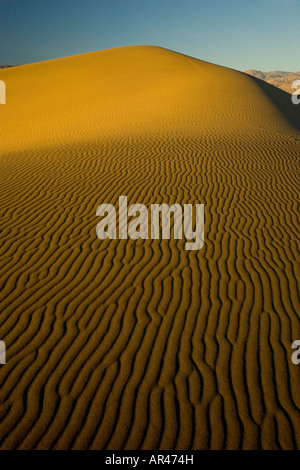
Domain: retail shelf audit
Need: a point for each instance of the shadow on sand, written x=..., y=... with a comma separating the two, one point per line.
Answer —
x=282, y=101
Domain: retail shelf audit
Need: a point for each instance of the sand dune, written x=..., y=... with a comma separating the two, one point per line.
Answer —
x=123, y=344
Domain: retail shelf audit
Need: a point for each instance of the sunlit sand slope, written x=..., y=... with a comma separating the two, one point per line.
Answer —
x=141, y=344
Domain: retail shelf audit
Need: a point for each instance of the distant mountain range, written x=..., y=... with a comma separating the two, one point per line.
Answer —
x=282, y=80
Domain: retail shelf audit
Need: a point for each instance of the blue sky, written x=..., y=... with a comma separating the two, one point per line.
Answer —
x=241, y=34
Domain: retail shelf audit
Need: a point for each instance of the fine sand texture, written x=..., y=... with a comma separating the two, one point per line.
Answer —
x=141, y=344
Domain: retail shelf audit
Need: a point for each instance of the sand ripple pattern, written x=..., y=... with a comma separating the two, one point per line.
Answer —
x=142, y=344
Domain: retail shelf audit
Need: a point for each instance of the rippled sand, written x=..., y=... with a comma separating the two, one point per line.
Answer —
x=123, y=344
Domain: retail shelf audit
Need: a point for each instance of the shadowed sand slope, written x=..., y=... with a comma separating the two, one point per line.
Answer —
x=123, y=344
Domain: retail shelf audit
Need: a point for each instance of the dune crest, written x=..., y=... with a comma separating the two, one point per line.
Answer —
x=143, y=89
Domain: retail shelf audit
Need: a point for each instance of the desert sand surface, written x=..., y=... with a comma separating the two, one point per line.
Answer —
x=141, y=344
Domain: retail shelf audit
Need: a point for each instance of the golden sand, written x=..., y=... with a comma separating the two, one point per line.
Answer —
x=123, y=344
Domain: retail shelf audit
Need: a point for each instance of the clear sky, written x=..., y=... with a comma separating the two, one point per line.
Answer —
x=241, y=34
